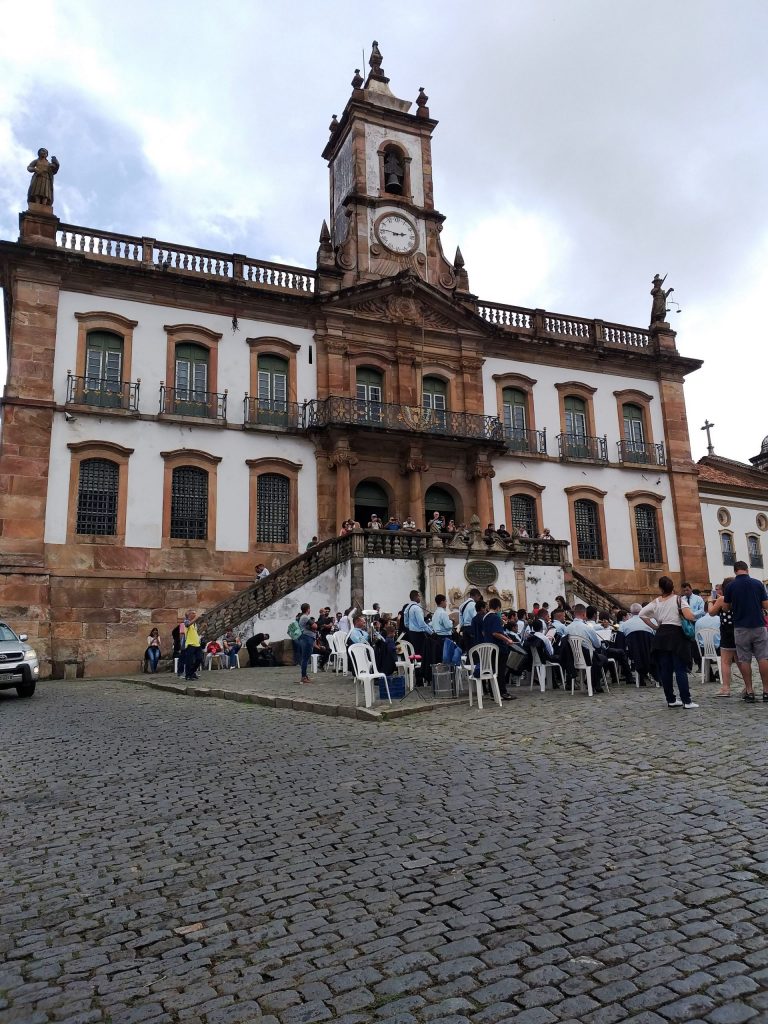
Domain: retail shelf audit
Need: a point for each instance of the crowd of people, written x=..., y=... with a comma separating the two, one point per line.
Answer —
x=438, y=523
x=189, y=649
x=659, y=641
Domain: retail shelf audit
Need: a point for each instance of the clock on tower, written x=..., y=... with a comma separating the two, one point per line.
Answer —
x=383, y=218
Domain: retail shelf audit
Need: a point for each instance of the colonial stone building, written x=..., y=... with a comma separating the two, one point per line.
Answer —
x=173, y=415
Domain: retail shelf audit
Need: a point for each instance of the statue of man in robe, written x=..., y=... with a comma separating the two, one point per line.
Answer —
x=659, y=296
x=42, y=170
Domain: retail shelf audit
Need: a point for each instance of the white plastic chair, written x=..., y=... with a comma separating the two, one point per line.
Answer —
x=580, y=662
x=223, y=659
x=338, y=657
x=708, y=652
x=539, y=670
x=487, y=657
x=364, y=663
x=404, y=665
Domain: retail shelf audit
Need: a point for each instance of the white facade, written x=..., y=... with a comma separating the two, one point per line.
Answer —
x=741, y=518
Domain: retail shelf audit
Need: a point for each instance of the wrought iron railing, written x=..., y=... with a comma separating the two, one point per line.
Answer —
x=729, y=557
x=209, y=405
x=756, y=561
x=534, y=442
x=335, y=411
x=641, y=453
x=260, y=412
x=103, y=393
x=581, y=446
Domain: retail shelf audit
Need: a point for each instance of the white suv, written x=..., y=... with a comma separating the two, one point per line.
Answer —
x=19, y=666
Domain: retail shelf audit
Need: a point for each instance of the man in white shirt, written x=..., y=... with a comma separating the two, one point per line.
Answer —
x=261, y=572
x=467, y=612
x=358, y=634
x=418, y=632
x=589, y=640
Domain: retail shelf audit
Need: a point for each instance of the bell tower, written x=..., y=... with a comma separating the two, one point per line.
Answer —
x=383, y=217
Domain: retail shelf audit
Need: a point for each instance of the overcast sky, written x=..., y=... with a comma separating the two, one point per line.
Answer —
x=583, y=146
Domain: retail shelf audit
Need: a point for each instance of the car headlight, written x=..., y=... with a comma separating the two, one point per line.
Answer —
x=30, y=655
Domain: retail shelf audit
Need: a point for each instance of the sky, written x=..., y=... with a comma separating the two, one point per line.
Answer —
x=583, y=146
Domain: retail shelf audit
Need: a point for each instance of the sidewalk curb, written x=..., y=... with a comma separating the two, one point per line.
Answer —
x=279, y=702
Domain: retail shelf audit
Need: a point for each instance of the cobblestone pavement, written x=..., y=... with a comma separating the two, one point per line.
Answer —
x=195, y=860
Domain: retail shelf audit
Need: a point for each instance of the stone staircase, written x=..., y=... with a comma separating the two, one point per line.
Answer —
x=234, y=611
x=595, y=595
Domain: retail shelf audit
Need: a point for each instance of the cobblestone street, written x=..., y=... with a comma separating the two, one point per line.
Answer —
x=182, y=859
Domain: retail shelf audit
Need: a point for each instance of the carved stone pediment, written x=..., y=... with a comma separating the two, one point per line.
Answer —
x=402, y=309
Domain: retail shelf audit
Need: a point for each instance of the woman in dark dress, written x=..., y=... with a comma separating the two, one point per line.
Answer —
x=727, y=639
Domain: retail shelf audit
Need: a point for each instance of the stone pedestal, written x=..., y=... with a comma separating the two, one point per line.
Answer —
x=38, y=226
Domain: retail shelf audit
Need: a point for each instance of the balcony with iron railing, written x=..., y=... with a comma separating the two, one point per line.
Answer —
x=525, y=442
x=272, y=415
x=641, y=453
x=582, y=447
x=756, y=561
x=207, y=405
x=729, y=557
x=349, y=412
x=102, y=393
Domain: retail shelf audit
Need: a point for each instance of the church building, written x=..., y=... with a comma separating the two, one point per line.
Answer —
x=174, y=415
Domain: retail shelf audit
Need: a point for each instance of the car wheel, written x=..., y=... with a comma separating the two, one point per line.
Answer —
x=25, y=689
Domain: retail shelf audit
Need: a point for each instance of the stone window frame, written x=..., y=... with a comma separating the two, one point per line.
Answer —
x=103, y=320
x=587, y=493
x=577, y=389
x=200, y=460
x=519, y=382
x=531, y=490
x=753, y=535
x=448, y=377
x=112, y=452
x=631, y=396
x=405, y=156
x=269, y=345
x=283, y=467
x=640, y=497
x=192, y=334
x=373, y=362
x=728, y=533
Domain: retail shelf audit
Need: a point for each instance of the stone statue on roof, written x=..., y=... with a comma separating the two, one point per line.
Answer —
x=659, y=296
x=42, y=170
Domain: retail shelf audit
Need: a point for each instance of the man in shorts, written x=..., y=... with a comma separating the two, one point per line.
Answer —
x=747, y=598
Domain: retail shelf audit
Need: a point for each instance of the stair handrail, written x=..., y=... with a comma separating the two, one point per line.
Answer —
x=611, y=601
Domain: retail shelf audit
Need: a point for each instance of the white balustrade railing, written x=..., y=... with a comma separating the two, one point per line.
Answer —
x=505, y=316
x=627, y=337
x=568, y=326
x=165, y=257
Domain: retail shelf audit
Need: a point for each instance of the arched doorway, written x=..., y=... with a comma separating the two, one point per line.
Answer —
x=438, y=499
x=370, y=497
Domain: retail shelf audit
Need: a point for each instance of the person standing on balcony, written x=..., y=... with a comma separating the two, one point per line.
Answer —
x=375, y=523
x=503, y=532
x=410, y=524
x=308, y=627
x=393, y=524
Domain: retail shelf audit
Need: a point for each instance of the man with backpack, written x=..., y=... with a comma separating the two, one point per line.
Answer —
x=294, y=632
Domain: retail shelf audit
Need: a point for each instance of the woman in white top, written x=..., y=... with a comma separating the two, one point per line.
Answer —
x=670, y=644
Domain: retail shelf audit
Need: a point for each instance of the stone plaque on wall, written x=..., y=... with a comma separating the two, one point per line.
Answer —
x=481, y=573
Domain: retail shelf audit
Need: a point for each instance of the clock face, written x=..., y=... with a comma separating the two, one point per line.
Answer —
x=396, y=233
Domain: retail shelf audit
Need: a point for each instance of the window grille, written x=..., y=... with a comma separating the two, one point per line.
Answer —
x=523, y=514
x=97, y=497
x=647, y=527
x=189, y=503
x=272, y=509
x=588, y=540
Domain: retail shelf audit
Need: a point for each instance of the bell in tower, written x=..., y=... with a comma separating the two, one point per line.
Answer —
x=394, y=172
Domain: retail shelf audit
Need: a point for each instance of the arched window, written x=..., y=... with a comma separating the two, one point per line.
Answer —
x=273, y=509
x=97, y=492
x=589, y=542
x=438, y=499
x=522, y=514
x=369, y=389
x=370, y=498
x=272, y=404
x=727, y=548
x=634, y=433
x=754, y=551
x=189, y=503
x=576, y=427
x=647, y=529
x=103, y=369
x=434, y=392
x=394, y=171
x=191, y=379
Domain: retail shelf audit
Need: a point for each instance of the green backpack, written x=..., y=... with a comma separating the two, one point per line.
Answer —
x=294, y=630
